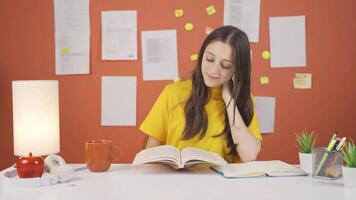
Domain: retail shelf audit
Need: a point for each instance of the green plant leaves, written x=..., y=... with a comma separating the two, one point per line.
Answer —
x=349, y=154
x=305, y=141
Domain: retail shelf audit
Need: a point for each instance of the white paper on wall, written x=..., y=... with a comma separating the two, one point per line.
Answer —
x=119, y=35
x=245, y=15
x=287, y=41
x=72, y=53
x=118, y=101
x=265, y=109
x=159, y=55
x=72, y=37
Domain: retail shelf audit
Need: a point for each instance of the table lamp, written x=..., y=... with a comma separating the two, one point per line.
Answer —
x=35, y=124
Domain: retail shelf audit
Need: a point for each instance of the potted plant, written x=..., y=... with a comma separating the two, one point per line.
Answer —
x=305, y=143
x=349, y=169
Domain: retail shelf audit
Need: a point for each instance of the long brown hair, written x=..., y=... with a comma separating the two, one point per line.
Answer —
x=195, y=115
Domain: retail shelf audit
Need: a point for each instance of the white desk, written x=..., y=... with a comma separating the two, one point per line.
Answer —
x=124, y=181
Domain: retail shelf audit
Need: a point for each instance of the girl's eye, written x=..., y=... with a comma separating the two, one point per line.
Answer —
x=209, y=59
x=226, y=66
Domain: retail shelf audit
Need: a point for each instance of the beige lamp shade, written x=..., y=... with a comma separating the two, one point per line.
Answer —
x=35, y=117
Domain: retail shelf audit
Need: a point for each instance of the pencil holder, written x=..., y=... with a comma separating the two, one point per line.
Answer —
x=327, y=164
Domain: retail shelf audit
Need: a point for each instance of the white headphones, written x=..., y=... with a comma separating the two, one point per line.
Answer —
x=56, y=166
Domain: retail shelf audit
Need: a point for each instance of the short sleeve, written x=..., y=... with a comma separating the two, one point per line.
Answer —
x=155, y=123
x=254, y=126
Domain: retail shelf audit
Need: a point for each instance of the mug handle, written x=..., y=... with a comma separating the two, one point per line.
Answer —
x=116, y=153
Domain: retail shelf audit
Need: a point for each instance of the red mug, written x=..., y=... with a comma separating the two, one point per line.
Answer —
x=99, y=154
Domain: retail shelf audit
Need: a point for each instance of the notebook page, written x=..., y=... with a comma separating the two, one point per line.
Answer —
x=277, y=167
x=240, y=170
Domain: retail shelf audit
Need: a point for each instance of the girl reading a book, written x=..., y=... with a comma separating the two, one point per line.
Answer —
x=213, y=109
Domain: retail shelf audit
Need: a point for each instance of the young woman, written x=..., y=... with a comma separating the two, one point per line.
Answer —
x=213, y=110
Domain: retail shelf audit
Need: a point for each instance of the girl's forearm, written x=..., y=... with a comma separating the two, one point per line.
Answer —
x=248, y=146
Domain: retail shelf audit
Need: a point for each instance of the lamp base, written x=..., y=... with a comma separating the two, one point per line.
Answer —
x=30, y=167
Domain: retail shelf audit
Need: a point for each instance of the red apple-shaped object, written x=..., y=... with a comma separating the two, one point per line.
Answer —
x=30, y=167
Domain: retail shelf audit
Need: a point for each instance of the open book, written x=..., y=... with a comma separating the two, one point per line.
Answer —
x=171, y=156
x=259, y=168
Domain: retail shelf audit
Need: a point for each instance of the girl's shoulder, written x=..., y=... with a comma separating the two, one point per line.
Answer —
x=179, y=88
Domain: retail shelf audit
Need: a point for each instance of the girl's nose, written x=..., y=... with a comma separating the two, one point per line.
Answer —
x=215, y=68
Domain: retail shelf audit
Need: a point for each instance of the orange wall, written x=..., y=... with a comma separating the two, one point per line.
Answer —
x=27, y=52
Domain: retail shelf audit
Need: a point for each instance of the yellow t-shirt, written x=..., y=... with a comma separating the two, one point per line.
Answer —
x=166, y=121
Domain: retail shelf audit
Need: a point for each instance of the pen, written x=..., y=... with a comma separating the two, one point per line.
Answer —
x=338, y=148
x=341, y=144
x=328, y=149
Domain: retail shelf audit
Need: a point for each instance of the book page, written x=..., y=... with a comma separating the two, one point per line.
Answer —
x=164, y=154
x=191, y=156
x=277, y=168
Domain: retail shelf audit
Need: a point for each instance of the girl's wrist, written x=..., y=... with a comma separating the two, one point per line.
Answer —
x=228, y=101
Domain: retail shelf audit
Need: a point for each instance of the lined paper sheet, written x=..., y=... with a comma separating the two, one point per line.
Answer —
x=245, y=15
x=72, y=37
x=287, y=41
x=118, y=101
x=159, y=55
x=119, y=35
x=265, y=109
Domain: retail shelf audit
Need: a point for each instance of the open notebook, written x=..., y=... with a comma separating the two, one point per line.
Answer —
x=259, y=169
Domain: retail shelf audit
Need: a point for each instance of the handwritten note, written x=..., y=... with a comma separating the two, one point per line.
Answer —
x=302, y=81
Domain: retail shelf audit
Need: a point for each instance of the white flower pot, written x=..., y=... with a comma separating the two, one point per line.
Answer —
x=306, y=162
x=349, y=175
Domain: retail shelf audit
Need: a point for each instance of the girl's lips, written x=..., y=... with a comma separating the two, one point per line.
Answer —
x=212, y=77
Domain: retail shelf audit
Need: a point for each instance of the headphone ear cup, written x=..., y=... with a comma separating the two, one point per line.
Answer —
x=64, y=173
x=52, y=161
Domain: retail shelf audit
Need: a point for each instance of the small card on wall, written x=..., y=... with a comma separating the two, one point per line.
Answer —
x=302, y=81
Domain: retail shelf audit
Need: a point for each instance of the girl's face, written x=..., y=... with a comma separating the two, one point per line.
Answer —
x=217, y=64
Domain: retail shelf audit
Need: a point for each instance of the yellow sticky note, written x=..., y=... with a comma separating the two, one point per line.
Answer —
x=211, y=10
x=179, y=13
x=194, y=57
x=302, y=81
x=188, y=26
x=265, y=55
x=264, y=80
x=208, y=30
x=65, y=51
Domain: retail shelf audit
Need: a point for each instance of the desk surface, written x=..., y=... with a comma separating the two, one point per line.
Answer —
x=124, y=181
